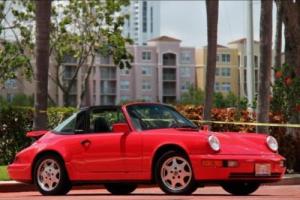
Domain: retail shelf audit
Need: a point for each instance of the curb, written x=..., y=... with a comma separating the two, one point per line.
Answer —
x=13, y=186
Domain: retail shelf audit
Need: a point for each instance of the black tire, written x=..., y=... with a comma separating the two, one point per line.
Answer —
x=62, y=187
x=120, y=188
x=165, y=186
x=240, y=188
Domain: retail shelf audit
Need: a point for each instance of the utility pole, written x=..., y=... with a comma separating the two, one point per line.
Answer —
x=249, y=68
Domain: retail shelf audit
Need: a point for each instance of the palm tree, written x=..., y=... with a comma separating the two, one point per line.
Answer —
x=265, y=64
x=43, y=13
x=212, y=11
x=278, y=37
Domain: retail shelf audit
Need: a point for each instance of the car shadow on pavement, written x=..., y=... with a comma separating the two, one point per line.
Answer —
x=163, y=195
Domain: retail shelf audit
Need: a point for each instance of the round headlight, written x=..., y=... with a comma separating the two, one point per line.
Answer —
x=272, y=143
x=214, y=143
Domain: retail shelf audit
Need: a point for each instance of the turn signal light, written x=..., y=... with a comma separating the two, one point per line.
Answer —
x=212, y=163
x=220, y=163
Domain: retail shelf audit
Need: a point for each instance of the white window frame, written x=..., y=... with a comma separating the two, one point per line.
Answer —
x=126, y=85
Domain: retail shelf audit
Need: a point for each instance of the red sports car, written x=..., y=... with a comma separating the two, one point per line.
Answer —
x=122, y=146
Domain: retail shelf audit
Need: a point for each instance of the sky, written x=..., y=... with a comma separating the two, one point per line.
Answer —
x=186, y=20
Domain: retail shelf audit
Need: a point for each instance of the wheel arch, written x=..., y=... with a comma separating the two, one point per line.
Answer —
x=42, y=154
x=163, y=149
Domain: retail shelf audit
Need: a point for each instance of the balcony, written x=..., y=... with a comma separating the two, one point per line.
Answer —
x=169, y=89
x=169, y=74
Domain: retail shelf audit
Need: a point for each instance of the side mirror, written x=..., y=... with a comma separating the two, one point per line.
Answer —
x=121, y=127
x=36, y=134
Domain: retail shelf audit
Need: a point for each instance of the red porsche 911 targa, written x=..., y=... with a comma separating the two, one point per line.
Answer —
x=122, y=146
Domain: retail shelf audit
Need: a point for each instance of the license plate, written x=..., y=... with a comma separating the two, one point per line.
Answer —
x=262, y=169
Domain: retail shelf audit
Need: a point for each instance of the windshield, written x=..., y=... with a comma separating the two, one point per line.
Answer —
x=153, y=116
x=68, y=125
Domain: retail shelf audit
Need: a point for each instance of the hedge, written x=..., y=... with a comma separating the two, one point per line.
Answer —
x=16, y=121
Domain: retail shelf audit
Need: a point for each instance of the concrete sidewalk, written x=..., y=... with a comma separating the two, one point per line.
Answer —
x=13, y=186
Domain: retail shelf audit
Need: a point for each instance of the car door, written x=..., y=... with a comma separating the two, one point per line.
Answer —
x=102, y=146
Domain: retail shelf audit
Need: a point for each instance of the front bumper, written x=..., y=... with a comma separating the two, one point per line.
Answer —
x=244, y=171
x=20, y=172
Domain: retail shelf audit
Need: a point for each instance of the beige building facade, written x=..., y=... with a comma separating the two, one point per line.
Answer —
x=227, y=71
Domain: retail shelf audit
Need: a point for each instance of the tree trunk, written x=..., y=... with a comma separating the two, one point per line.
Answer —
x=43, y=13
x=212, y=10
x=291, y=21
x=265, y=65
x=278, y=38
x=85, y=86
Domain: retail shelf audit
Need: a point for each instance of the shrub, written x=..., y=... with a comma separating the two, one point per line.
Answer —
x=16, y=121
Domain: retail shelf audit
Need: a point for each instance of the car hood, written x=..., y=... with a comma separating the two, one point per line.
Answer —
x=242, y=143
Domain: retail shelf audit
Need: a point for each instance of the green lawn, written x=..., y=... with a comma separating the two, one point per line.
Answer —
x=3, y=174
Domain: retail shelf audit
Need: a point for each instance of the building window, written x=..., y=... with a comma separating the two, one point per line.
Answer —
x=146, y=55
x=169, y=59
x=256, y=61
x=69, y=72
x=124, y=85
x=217, y=73
x=124, y=98
x=185, y=71
x=125, y=71
x=217, y=86
x=218, y=58
x=144, y=16
x=185, y=86
x=10, y=97
x=10, y=84
x=146, y=85
x=146, y=71
x=104, y=59
x=186, y=57
x=226, y=58
x=225, y=71
x=226, y=87
x=108, y=73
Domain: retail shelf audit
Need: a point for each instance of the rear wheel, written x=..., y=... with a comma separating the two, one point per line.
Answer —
x=120, y=188
x=50, y=176
x=240, y=188
x=174, y=175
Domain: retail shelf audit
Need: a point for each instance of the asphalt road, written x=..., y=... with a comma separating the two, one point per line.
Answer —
x=288, y=192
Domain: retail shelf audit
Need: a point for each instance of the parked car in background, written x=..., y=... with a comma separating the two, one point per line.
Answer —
x=122, y=146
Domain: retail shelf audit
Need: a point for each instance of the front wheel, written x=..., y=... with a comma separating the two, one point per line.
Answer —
x=120, y=188
x=174, y=175
x=240, y=188
x=50, y=176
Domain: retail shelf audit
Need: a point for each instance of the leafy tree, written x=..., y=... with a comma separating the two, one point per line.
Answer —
x=79, y=29
x=84, y=30
x=193, y=96
x=14, y=50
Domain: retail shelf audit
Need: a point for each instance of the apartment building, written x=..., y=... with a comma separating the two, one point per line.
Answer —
x=161, y=72
x=144, y=21
x=241, y=47
x=227, y=71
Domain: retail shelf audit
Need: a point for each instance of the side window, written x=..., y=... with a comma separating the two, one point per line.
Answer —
x=102, y=120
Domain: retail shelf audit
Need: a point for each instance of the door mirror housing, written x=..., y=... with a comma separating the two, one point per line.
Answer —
x=121, y=127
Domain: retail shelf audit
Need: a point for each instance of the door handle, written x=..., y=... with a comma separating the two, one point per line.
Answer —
x=85, y=143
